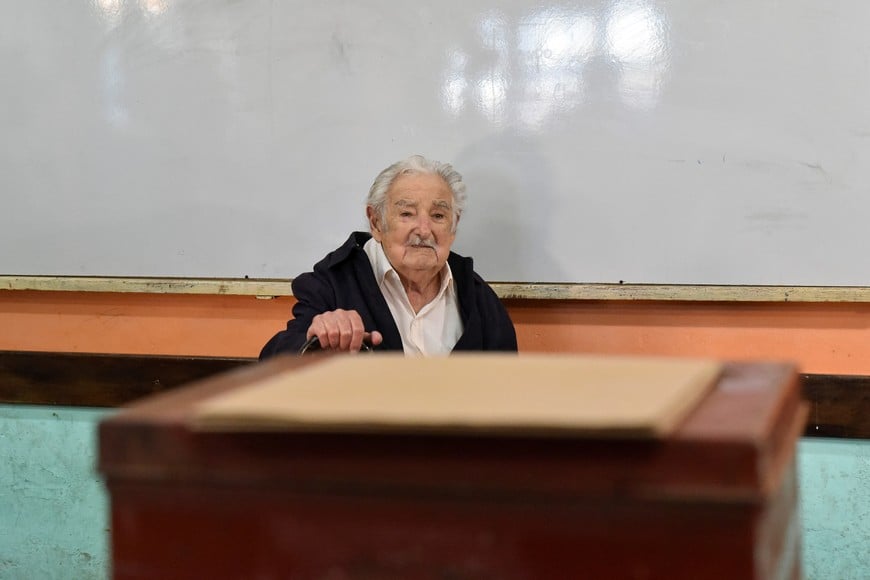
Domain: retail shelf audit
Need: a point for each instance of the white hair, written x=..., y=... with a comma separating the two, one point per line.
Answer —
x=377, y=198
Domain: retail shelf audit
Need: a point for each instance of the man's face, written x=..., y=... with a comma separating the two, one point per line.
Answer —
x=418, y=232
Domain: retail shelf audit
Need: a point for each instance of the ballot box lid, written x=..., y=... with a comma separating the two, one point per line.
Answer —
x=732, y=443
x=472, y=393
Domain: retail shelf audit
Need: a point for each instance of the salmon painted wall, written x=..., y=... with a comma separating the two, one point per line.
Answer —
x=820, y=337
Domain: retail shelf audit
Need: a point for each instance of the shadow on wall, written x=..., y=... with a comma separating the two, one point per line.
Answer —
x=500, y=173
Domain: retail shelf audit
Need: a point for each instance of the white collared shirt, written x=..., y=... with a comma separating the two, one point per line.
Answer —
x=437, y=327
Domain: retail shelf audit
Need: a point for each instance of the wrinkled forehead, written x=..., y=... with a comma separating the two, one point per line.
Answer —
x=420, y=188
x=403, y=202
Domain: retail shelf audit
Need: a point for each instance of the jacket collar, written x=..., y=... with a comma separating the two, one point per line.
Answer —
x=354, y=243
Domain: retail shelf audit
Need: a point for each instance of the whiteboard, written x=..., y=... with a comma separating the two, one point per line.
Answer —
x=644, y=141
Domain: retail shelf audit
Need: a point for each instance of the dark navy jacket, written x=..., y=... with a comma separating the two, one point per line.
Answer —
x=344, y=279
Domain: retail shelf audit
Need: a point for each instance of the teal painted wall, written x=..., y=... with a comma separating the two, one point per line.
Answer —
x=834, y=479
x=54, y=511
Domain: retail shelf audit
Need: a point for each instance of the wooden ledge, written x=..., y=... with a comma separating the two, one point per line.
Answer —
x=99, y=380
x=271, y=288
x=839, y=404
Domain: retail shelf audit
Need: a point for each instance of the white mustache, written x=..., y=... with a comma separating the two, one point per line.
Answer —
x=416, y=240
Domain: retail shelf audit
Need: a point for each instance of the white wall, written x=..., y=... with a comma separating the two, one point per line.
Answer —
x=602, y=140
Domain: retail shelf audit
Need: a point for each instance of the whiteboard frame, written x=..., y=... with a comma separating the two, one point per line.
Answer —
x=275, y=288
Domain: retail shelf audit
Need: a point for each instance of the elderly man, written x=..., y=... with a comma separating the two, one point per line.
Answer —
x=400, y=287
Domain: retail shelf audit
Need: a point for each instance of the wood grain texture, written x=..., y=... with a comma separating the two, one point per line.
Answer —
x=98, y=380
x=506, y=290
x=839, y=404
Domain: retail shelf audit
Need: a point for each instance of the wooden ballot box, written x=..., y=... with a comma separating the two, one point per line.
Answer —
x=713, y=497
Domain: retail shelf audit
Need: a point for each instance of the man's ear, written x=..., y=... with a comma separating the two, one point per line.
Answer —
x=374, y=222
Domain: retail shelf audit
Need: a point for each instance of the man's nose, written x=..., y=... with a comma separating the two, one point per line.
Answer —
x=424, y=225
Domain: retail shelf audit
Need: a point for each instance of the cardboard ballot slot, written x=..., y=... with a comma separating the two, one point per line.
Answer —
x=595, y=395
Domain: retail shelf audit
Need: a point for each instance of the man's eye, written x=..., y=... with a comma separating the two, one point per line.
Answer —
x=438, y=216
x=405, y=214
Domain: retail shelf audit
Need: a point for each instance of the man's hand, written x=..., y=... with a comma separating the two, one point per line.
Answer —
x=341, y=330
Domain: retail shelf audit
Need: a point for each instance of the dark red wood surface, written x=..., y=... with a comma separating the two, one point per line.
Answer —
x=717, y=499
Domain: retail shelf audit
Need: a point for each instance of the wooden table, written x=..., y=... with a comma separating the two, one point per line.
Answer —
x=717, y=499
